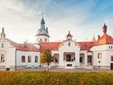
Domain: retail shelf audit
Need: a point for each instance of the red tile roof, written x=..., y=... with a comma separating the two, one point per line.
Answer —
x=85, y=45
x=55, y=45
x=105, y=39
x=50, y=45
x=24, y=47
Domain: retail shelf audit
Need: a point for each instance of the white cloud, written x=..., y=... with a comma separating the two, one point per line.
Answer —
x=21, y=19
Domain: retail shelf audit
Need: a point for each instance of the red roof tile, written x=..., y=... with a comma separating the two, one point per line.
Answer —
x=24, y=47
x=50, y=45
x=55, y=45
x=45, y=45
x=85, y=45
x=105, y=39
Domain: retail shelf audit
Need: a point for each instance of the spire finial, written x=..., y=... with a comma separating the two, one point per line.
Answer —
x=69, y=31
x=93, y=39
x=26, y=40
x=42, y=14
x=3, y=33
x=42, y=21
x=2, y=29
x=104, y=28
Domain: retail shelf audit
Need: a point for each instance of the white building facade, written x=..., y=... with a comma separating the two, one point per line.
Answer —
x=69, y=54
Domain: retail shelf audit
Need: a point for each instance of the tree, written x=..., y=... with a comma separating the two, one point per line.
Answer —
x=46, y=57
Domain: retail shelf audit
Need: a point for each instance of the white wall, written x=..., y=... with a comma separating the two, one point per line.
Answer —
x=54, y=52
x=9, y=52
x=19, y=55
x=85, y=56
x=72, y=48
x=42, y=37
x=106, y=55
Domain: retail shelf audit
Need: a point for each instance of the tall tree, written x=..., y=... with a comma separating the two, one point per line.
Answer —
x=46, y=57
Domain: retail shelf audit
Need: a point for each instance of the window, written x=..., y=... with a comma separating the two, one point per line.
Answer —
x=111, y=58
x=56, y=58
x=23, y=59
x=45, y=40
x=69, y=44
x=99, y=55
x=2, y=58
x=89, y=59
x=36, y=59
x=40, y=40
x=29, y=58
x=110, y=47
x=81, y=59
x=2, y=45
x=99, y=61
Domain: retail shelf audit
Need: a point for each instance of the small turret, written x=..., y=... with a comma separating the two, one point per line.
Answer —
x=3, y=35
x=69, y=36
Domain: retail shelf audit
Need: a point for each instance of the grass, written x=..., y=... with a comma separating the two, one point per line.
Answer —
x=56, y=78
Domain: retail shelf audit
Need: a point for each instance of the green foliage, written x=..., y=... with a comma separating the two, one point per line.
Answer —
x=46, y=57
x=56, y=78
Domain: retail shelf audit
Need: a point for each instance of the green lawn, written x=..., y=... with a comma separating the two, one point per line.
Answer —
x=56, y=78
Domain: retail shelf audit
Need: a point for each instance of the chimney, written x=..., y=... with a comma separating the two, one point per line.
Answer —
x=98, y=36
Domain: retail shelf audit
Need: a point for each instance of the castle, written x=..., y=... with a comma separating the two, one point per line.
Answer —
x=69, y=54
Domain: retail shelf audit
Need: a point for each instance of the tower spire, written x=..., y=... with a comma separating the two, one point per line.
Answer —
x=42, y=21
x=42, y=33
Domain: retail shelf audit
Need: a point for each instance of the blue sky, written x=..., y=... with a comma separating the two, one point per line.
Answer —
x=84, y=18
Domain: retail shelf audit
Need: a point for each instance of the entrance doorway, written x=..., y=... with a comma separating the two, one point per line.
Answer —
x=89, y=60
x=111, y=66
x=68, y=57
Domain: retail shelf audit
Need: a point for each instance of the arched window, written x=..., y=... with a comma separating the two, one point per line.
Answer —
x=36, y=59
x=29, y=58
x=2, y=58
x=23, y=59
